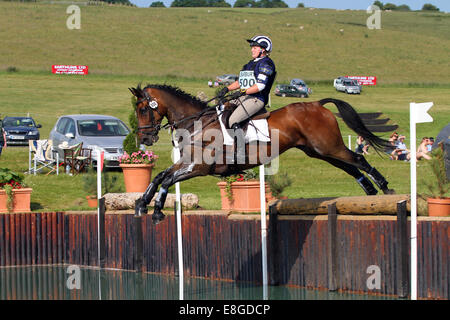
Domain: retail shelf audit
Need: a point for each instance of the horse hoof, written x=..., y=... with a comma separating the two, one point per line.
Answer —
x=157, y=217
x=389, y=191
x=140, y=211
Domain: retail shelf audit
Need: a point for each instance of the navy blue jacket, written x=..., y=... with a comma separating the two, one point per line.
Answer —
x=264, y=71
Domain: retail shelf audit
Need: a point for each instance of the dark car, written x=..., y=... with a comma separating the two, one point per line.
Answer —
x=19, y=130
x=301, y=85
x=286, y=90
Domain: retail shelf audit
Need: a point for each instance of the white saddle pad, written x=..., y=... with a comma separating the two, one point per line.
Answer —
x=260, y=133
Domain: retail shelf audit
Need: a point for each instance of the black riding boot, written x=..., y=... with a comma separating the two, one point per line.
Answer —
x=367, y=186
x=236, y=154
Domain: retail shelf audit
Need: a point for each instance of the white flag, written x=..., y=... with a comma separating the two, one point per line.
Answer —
x=419, y=112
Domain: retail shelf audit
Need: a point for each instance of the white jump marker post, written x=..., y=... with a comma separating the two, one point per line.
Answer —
x=417, y=114
x=262, y=194
x=100, y=160
x=176, y=157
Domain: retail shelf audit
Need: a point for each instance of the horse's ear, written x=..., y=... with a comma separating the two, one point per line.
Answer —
x=133, y=91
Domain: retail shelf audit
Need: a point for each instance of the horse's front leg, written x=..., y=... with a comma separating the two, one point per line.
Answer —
x=142, y=203
x=177, y=173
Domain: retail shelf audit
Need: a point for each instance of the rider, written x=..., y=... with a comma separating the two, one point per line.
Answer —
x=255, y=82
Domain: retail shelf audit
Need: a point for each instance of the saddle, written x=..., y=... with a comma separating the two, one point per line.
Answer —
x=228, y=110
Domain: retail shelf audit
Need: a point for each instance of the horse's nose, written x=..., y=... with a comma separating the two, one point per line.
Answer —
x=148, y=141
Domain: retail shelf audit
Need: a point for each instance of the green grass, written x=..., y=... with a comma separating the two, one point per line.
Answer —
x=410, y=47
x=47, y=96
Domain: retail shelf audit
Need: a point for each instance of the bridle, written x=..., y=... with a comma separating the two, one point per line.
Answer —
x=154, y=127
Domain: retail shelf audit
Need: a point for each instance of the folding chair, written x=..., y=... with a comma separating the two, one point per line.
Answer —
x=44, y=156
x=77, y=158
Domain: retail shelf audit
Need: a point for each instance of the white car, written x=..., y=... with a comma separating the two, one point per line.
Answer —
x=97, y=132
x=347, y=85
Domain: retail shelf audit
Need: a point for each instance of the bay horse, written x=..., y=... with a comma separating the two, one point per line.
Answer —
x=307, y=126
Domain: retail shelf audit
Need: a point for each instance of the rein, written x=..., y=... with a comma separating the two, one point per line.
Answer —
x=152, y=105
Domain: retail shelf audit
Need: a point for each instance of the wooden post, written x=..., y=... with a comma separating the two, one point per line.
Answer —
x=102, y=211
x=138, y=243
x=332, y=247
x=402, y=257
x=274, y=252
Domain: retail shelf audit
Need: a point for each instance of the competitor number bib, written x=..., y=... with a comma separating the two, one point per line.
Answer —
x=246, y=79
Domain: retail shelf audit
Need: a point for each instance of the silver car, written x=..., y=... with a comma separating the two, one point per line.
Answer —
x=347, y=85
x=226, y=79
x=97, y=132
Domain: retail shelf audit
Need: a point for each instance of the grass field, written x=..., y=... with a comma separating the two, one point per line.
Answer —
x=410, y=47
x=45, y=97
x=124, y=46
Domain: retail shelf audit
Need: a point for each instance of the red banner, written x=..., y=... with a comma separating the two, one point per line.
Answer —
x=364, y=80
x=69, y=69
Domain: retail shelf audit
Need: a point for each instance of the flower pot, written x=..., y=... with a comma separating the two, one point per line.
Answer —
x=137, y=177
x=438, y=207
x=245, y=196
x=92, y=201
x=21, y=200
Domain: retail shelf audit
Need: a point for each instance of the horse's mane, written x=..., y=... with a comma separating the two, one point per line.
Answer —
x=178, y=93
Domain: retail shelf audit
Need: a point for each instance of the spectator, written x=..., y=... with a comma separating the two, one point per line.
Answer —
x=422, y=150
x=210, y=83
x=430, y=143
x=401, y=152
x=393, y=141
x=2, y=137
x=361, y=147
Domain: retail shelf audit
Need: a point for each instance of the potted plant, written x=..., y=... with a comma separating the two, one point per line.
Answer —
x=14, y=195
x=136, y=164
x=241, y=193
x=439, y=197
x=278, y=183
x=137, y=169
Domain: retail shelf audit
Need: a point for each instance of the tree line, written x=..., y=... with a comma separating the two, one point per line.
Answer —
x=223, y=3
x=403, y=7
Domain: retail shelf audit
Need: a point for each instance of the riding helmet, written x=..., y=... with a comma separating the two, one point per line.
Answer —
x=261, y=41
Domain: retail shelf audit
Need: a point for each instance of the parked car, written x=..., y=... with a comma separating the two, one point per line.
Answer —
x=287, y=90
x=347, y=85
x=97, y=132
x=226, y=79
x=302, y=86
x=19, y=130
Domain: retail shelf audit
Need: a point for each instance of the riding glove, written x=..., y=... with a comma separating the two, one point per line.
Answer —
x=237, y=94
x=223, y=92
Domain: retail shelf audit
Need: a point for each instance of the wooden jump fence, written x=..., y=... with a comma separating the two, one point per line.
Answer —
x=328, y=251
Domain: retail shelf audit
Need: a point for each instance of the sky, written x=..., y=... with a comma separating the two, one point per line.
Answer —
x=443, y=5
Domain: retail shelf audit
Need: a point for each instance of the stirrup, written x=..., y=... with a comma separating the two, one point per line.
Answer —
x=235, y=126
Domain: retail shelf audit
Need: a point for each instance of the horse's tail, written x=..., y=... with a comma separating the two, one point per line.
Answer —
x=354, y=122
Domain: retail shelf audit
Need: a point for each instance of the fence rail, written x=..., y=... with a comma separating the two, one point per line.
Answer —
x=328, y=251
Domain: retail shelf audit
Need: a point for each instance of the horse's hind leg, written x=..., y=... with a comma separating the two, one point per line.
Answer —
x=352, y=170
x=373, y=173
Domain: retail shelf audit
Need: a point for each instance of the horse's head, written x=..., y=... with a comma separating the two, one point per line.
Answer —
x=150, y=112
